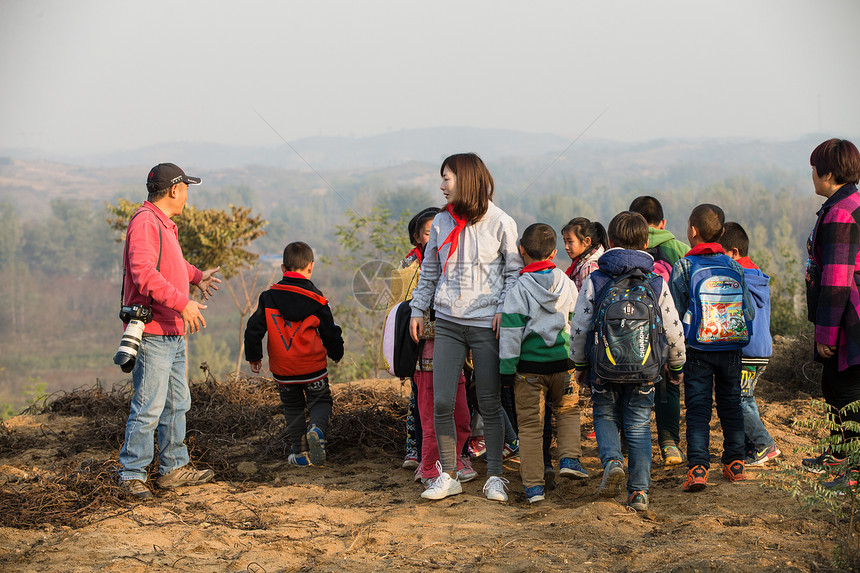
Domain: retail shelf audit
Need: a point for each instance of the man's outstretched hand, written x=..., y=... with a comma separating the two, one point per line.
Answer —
x=209, y=283
x=192, y=317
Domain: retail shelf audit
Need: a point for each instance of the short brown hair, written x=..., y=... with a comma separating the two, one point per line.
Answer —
x=297, y=256
x=474, y=185
x=839, y=157
x=734, y=237
x=628, y=230
x=708, y=220
x=538, y=241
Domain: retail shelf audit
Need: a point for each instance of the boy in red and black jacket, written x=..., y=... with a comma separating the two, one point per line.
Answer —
x=301, y=331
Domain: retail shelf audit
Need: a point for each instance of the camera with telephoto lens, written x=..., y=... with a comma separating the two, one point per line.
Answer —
x=136, y=316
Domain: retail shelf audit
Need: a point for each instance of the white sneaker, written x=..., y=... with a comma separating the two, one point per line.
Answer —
x=443, y=486
x=495, y=488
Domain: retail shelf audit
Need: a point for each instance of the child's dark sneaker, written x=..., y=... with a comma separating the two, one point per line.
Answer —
x=300, y=460
x=822, y=463
x=410, y=461
x=549, y=478
x=697, y=479
x=638, y=500
x=571, y=468
x=511, y=451
x=671, y=455
x=534, y=493
x=316, y=446
x=758, y=458
x=613, y=477
x=734, y=471
x=843, y=483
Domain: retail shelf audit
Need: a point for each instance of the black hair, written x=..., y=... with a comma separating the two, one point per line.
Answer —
x=419, y=220
x=708, y=219
x=297, y=256
x=582, y=228
x=649, y=207
x=538, y=241
x=734, y=237
x=628, y=230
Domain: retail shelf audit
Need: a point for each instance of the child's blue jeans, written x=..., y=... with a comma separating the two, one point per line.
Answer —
x=708, y=375
x=756, y=436
x=627, y=408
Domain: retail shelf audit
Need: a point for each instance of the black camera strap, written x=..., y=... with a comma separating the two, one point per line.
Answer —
x=125, y=256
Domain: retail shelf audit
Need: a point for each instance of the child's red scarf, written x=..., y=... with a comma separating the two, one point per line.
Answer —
x=454, y=236
x=538, y=266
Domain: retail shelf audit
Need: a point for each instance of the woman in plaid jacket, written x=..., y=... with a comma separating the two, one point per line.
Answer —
x=833, y=272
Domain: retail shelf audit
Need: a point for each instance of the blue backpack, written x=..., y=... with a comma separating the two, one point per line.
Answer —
x=629, y=343
x=716, y=317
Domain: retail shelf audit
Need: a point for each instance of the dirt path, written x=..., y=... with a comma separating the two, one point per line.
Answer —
x=367, y=516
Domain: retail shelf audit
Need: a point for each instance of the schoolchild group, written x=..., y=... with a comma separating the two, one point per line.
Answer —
x=505, y=340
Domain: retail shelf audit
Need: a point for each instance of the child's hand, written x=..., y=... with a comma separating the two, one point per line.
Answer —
x=415, y=324
x=676, y=378
x=579, y=377
x=255, y=366
x=497, y=324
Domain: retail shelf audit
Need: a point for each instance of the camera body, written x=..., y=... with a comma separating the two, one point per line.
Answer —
x=135, y=312
x=136, y=317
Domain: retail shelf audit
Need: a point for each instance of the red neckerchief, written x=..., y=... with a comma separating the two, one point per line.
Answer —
x=292, y=275
x=454, y=236
x=418, y=252
x=706, y=249
x=746, y=263
x=569, y=271
x=537, y=267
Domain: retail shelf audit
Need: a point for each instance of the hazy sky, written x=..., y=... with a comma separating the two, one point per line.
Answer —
x=88, y=76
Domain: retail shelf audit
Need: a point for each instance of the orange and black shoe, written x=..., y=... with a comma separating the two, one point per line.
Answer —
x=697, y=478
x=734, y=471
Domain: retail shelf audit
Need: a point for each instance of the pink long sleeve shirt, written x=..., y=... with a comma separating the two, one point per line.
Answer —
x=168, y=287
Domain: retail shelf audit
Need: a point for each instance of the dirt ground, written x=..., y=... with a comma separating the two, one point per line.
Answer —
x=367, y=515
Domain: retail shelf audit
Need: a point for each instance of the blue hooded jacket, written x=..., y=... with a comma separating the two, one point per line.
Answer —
x=761, y=344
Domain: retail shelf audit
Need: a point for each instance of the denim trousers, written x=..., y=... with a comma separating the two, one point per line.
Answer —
x=624, y=408
x=160, y=400
x=313, y=397
x=453, y=342
x=709, y=375
x=756, y=437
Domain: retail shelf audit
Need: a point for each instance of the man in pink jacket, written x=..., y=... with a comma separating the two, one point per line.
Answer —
x=157, y=276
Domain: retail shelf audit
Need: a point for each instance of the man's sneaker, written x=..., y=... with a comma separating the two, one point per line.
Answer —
x=410, y=462
x=316, y=445
x=734, y=471
x=671, y=455
x=761, y=457
x=511, y=451
x=613, y=477
x=843, y=483
x=495, y=488
x=549, y=478
x=136, y=488
x=300, y=460
x=534, y=493
x=697, y=478
x=571, y=468
x=466, y=473
x=477, y=446
x=443, y=486
x=638, y=500
x=185, y=475
x=822, y=463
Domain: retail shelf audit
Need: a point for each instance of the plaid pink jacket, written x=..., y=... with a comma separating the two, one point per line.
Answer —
x=833, y=271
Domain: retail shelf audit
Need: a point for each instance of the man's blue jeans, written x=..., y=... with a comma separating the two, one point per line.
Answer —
x=161, y=399
x=627, y=408
x=708, y=375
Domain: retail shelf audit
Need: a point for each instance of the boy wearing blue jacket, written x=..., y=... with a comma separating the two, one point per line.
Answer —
x=760, y=446
x=713, y=368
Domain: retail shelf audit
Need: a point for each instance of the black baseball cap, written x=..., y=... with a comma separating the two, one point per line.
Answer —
x=165, y=175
